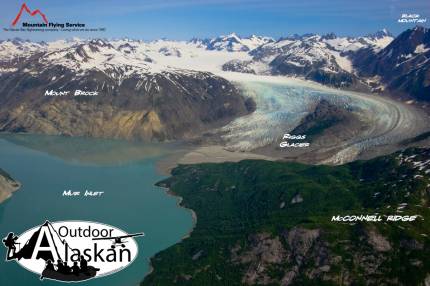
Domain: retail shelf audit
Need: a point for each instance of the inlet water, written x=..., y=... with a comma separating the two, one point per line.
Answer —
x=125, y=172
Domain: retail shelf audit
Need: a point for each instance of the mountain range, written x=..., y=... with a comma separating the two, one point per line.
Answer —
x=402, y=66
x=377, y=62
x=176, y=89
x=137, y=99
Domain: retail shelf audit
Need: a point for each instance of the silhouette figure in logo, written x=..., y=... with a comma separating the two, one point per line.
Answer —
x=79, y=271
x=62, y=267
x=10, y=242
x=75, y=268
x=67, y=268
x=26, y=252
x=62, y=272
x=84, y=264
x=49, y=265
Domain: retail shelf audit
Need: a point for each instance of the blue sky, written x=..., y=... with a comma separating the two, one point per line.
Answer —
x=184, y=19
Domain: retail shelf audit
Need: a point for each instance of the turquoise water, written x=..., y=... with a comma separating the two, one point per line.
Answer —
x=126, y=172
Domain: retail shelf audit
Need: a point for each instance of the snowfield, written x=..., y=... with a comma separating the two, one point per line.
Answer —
x=135, y=57
x=282, y=102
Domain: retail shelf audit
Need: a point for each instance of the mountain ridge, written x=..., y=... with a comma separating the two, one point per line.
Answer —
x=271, y=223
x=147, y=70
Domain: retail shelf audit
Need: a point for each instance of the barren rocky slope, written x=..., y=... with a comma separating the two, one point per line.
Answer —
x=7, y=185
x=131, y=100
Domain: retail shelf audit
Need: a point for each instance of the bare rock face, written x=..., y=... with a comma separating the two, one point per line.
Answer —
x=379, y=242
x=238, y=66
x=403, y=65
x=300, y=241
x=300, y=254
x=264, y=251
x=7, y=185
x=323, y=117
x=305, y=245
x=140, y=105
x=297, y=199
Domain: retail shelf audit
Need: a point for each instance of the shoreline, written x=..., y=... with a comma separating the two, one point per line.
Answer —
x=206, y=154
x=197, y=155
x=7, y=186
x=179, y=200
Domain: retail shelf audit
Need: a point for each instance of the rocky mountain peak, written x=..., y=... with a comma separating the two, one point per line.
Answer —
x=232, y=35
x=329, y=36
x=380, y=34
x=99, y=42
x=235, y=43
x=407, y=42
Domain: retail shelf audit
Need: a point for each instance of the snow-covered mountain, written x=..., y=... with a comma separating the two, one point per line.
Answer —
x=326, y=58
x=167, y=89
x=375, y=41
x=138, y=93
x=10, y=49
x=119, y=58
x=234, y=43
x=403, y=65
x=257, y=54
